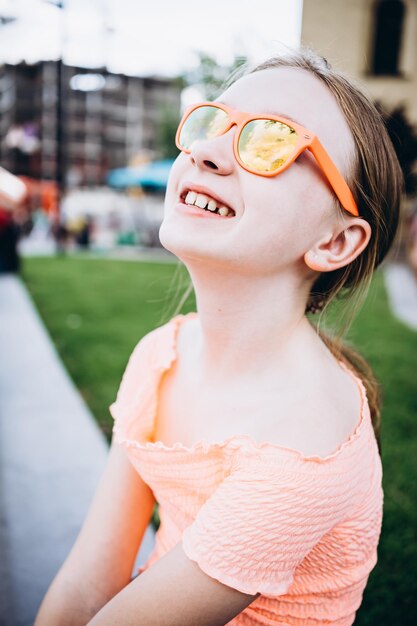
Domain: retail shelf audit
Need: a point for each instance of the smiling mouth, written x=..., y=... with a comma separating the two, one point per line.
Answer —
x=203, y=201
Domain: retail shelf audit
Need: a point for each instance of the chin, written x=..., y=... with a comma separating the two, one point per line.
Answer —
x=198, y=252
x=168, y=238
x=181, y=243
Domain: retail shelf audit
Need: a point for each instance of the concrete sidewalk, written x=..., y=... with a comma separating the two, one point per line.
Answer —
x=401, y=287
x=52, y=454
x=35, y=246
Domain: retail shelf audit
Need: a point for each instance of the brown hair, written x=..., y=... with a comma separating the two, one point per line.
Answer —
x=376, y=182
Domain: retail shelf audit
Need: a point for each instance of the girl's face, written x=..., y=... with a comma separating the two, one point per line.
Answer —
x=276, y=219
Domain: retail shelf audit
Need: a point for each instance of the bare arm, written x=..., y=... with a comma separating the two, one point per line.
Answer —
x=100, y=563
x=174, y=591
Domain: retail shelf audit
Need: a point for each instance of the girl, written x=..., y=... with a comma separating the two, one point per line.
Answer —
x=256, y=433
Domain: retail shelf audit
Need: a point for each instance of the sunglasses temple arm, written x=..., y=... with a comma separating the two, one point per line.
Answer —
x=334, y=177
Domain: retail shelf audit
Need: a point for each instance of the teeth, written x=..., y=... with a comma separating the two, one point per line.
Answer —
x=201, y=201
x=204, y=202
x=191, y=196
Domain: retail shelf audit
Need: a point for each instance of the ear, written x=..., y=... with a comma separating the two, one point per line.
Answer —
x=338, y=249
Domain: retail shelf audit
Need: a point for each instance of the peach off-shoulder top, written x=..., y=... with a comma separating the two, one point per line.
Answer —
x=300, y=530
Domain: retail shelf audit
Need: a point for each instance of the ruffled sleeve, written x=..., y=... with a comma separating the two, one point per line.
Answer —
x=133, y=410
x=263, y=519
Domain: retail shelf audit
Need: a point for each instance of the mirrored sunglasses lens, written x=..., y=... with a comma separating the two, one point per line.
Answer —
x=203, y=123
x=266, y=145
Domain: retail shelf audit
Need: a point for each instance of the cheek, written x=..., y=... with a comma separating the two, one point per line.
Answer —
x=285, y=213
x=175, y=175
x=272, y=206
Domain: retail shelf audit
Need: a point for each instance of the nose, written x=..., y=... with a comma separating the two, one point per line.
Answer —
x=215, y=154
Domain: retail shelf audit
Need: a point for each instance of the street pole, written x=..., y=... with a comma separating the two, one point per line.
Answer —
x=59, y=131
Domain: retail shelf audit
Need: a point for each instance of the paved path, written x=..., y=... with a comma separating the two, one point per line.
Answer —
x=51, y=457
x=402, y=292
x=33, y=246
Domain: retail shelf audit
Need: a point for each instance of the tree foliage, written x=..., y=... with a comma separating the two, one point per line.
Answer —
x=209, y=75
x=168, y=120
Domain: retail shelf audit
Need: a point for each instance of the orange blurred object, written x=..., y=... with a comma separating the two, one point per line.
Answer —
x=43, y=193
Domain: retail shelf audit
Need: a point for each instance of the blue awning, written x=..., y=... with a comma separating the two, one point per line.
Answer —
x=154, y=174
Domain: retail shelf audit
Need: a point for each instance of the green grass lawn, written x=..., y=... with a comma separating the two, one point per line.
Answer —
x=96, y=310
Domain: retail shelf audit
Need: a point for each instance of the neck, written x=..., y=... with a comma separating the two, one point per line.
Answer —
x=246, y=322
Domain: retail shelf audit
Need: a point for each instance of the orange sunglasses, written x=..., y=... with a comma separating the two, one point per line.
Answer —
x=264, y=144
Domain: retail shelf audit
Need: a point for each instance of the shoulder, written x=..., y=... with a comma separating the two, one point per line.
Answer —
x=159, y=343
x=152, y=354
x=334, y=412
x=337, y=409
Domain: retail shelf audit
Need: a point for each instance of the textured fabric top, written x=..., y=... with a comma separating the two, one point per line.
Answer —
x=300, y=530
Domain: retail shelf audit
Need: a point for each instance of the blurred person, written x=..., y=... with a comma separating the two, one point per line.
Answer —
x=60, y=233
x=256, y=432
x=83, y=236
x=9, y=238
x=23, y=217
x=41, y=226
x=13, y=193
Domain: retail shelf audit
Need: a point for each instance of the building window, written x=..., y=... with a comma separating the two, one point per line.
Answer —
x=388, y=29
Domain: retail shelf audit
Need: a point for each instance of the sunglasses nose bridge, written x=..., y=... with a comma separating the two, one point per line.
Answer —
x=204, y=153
x=235, y=118
x=231, y=121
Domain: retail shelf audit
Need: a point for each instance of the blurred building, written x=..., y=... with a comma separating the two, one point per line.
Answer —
x=106, y=119
x=374, y=41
